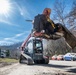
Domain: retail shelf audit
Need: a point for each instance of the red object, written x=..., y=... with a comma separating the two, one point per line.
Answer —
x=54, y=57
x=23, y=45
x=60, y=57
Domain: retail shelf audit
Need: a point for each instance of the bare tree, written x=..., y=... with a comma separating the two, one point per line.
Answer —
x=61, y=16
x=59, y=11
x=73, y=10
x=72, y=17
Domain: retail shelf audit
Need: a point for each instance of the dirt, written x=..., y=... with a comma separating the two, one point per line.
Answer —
x=3, y=64
x=53, y=68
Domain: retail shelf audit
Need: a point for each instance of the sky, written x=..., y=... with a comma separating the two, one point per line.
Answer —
x=13, y=13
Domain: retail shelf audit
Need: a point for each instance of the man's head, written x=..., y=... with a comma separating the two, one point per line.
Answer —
x=47, y=12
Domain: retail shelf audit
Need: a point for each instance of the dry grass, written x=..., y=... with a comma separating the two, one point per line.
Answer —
x=8, y=60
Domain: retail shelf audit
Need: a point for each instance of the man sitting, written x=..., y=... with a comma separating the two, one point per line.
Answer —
x=45, y=27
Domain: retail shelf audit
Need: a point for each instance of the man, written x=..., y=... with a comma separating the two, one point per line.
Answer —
x=44, y=26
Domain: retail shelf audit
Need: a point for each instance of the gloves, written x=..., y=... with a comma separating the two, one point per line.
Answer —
x=42, y=31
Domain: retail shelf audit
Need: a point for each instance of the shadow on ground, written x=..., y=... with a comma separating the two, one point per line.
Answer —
x=54, y=66
x=67, y=68
x=72, y=70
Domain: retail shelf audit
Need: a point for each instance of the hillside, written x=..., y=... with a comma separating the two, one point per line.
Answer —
x=11, y=47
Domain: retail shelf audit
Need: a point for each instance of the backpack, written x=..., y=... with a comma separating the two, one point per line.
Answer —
x=39, y=22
